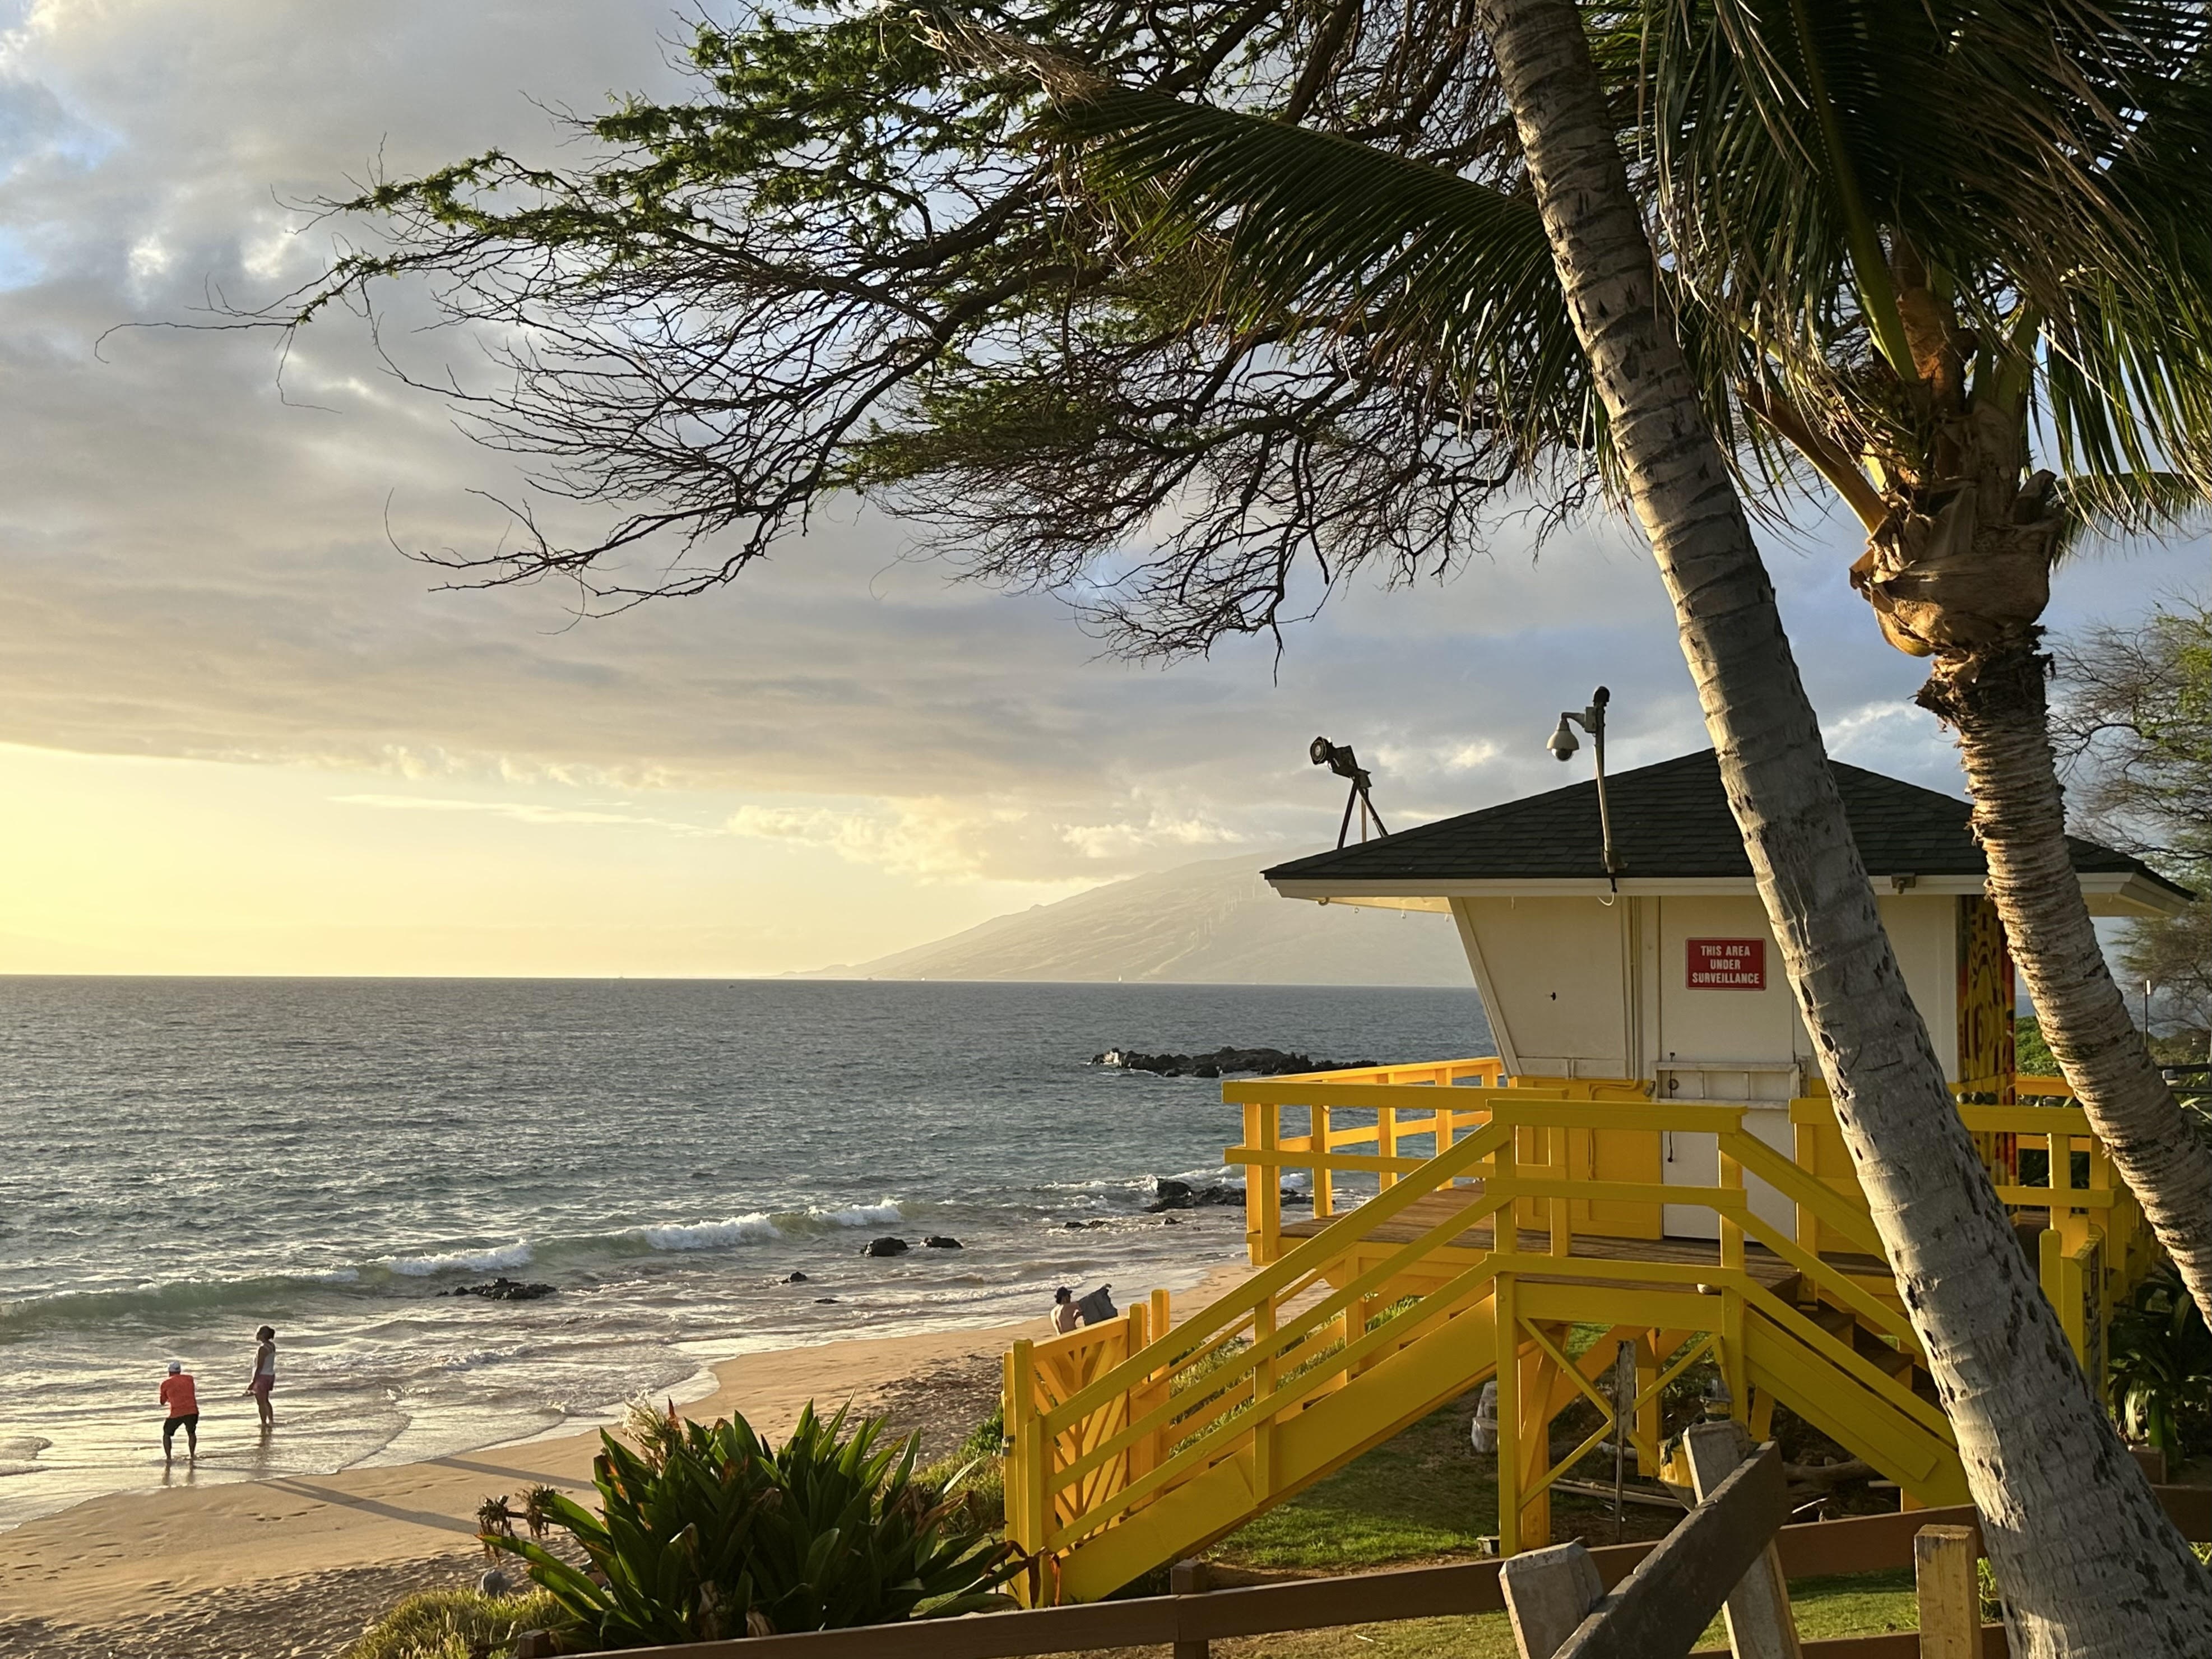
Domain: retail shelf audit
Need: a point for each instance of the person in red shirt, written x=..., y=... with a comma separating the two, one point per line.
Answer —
x=183, y=1401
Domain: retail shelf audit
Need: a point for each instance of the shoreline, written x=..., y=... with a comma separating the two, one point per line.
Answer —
x=144, y=1555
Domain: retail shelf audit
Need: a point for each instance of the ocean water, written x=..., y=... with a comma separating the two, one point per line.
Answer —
x=183, y=1160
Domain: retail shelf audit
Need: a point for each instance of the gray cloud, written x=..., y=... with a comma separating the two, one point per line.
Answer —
x=198, y=561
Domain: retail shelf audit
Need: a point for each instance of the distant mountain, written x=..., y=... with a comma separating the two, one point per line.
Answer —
x=1212, y=923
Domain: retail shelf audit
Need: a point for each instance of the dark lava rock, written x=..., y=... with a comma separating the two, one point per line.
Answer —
x=940, y=1242
x=885, y=1247
x=824, y=1301
x=794, y=1278
x=501, y=1289
x=1182, y=1195
x=1081, y=1226
x=1223, y=1062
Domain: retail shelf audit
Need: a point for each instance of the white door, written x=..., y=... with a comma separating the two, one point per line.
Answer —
x=1771, y=1125
x=1691, y=1160
x=1688, y=1160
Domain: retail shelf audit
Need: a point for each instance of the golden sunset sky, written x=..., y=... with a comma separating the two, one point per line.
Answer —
x=240, y=733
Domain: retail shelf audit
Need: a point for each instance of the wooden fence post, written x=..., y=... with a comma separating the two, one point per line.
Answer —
x=1759, y=1623
x=1548, y=1594
x=1950, y=1590
x=1189, y=1578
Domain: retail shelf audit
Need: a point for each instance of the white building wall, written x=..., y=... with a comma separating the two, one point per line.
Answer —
x=1554, y=978
x=1579, y=987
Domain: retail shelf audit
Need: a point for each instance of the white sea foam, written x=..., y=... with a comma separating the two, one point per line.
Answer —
x=494, y=1260
x=760, y=1224
x=475, y=1357
x=712, y=1235
x=863, y=1215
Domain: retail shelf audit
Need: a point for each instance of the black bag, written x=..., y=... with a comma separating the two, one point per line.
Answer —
x=1097, y=1307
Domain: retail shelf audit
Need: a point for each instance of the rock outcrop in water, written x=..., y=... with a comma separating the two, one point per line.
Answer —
x=501, y=1289
x=940, y=1242
x=885, y=1247
x=1182, y=1195
x=1221, y=1062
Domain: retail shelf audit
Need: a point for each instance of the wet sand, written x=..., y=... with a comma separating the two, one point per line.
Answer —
x=266, y=1569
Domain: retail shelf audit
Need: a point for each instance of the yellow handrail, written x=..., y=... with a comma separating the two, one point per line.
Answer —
x=1307, y=1259
x=1221, y=1435
x=1276, y=1402
x=1297, y=1330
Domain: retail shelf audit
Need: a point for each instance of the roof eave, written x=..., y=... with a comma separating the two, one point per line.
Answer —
x=2108, y=892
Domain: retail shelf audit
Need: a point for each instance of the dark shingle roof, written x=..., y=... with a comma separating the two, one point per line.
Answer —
x=1669, y=821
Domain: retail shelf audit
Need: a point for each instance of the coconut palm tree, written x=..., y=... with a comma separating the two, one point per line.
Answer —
x=2088, y=1563
x=2033, y=1479
x=1907, y=247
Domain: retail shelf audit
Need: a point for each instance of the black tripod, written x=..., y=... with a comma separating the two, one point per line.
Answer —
x=1341, y=761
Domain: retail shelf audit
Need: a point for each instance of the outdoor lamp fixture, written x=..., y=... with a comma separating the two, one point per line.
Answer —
x=1563, y=746
x=1339, y=759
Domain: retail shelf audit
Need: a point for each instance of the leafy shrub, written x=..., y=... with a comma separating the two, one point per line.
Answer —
x=455, y=1624
x=972, y=1481
x=2031, y=1055
x=2161, y=1364
x=973, y=1489
x=989, y=1437
x=707, y=1533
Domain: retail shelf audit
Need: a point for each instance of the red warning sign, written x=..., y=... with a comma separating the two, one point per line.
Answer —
x=1728, y=964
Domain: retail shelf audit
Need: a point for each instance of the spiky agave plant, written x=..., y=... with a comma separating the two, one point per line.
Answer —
x=717, y=1535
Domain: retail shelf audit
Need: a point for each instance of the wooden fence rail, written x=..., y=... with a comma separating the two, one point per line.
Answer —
x=1560, y=1606
x=1868, y=1544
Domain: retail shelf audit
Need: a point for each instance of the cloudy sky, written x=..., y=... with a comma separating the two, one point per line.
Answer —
x=239, y=733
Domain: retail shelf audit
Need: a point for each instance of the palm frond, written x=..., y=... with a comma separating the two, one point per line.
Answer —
x=2129, y=374
x=1316, y=233
x=2149, y=503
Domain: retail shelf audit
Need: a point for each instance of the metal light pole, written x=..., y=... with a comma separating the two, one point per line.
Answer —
x=1563, y=747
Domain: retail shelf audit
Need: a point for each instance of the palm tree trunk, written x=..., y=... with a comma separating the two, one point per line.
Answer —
x=2089, y=1563
x=1995, y=699
x=1966, y=582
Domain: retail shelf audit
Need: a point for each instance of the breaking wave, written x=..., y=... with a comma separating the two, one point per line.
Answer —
x=496, y=1259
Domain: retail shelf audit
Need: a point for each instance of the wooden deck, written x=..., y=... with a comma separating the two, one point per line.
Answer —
x=1419, y=1217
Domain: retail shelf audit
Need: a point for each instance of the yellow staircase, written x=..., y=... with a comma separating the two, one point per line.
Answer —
x=1139, y=1442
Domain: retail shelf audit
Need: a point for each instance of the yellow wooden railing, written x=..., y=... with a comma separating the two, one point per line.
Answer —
x=1219, y=1387
x=1190, y=1430
x=1333, y=1116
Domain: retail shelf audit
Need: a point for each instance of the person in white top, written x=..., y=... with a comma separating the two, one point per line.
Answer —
x=264, y=1372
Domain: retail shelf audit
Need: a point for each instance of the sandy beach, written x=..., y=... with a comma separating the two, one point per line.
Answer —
x=296, y=1566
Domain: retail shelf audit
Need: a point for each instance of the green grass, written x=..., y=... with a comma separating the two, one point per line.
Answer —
x=1427, y=1495
x=1866, y=1604
x=1422, y=1495
x=455, y=1624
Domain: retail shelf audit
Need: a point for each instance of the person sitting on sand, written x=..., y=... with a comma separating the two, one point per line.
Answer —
x=1064, y=1318
x=264, y=1372
x=183, y=1400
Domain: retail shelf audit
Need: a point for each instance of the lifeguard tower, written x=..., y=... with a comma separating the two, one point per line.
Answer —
x=1650, y=1151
